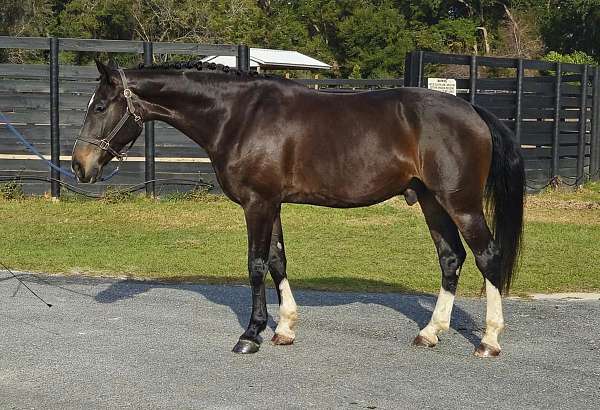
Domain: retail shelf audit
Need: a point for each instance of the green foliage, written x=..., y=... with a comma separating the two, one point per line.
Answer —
x=356, y=74
x=95, y=19
x=113, y=195
x=573, y=25
x=359, y=38
x=576, y=57
x=12, y=190
x=375, y=38
x=197, y=194
x=25, y=17
x=449, y=35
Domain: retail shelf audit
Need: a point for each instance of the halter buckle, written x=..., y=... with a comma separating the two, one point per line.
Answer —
x=127, y=93
x=104, y=144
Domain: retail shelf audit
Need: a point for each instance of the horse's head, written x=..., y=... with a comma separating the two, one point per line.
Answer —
x=112, y=121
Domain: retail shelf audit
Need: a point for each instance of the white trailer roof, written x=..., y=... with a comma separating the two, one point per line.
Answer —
x=273, y=59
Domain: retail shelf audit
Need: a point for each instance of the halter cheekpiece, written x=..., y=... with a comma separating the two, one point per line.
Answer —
x=104, y=143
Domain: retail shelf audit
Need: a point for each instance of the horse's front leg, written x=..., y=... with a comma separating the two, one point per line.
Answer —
x=260, y=216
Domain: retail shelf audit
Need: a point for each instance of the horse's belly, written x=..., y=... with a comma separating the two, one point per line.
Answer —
x=351, y=189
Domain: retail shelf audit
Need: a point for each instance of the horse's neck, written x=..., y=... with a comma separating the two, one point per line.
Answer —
x=196, y=108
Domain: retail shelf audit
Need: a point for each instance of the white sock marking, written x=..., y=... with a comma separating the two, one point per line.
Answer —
x=440, y=319
x=494, y=319
x=288, y=314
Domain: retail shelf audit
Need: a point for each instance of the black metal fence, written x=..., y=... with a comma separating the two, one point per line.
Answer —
x=553, y=108
x=46, y=103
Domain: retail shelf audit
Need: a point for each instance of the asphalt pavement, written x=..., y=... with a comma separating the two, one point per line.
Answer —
x=130, y=344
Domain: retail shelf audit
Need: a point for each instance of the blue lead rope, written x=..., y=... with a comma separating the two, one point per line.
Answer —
x=34, y=150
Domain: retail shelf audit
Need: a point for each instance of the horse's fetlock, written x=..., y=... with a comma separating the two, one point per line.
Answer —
x=497, y=325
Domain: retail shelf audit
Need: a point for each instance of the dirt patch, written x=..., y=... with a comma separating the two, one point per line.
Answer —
x=535, y=202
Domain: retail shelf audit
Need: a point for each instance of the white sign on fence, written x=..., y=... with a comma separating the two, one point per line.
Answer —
x=445, y=85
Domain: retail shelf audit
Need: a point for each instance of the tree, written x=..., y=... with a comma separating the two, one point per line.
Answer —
x=374, y=37
x=24, y=18
x=573, y=25
x=110, y=19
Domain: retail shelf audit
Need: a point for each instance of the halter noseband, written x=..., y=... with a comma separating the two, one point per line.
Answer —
x=104, y=143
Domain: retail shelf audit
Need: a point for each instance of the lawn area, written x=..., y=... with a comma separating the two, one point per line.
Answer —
x=381, y=248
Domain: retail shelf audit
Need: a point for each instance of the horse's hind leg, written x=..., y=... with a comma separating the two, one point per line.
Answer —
x=451, y=254
x=288, y=315
x=471, y=223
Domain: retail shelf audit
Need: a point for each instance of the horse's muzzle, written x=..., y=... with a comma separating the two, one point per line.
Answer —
x=85, y=175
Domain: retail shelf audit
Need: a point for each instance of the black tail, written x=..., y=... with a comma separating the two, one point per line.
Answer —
x=505, y=195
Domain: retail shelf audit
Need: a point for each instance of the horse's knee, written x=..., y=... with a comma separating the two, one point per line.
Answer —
x=450, y=262
x=277, y=262
x=257, y=269
x=488, y=262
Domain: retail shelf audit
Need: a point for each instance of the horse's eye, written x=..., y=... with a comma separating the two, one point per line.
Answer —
x=99, y=108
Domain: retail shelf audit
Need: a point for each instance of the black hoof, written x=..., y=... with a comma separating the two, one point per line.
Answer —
x=244, y=346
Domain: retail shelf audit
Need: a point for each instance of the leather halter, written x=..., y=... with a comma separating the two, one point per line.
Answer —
x=104, y=143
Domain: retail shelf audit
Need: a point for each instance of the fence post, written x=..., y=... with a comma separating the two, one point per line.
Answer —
x=595, y=137
x=413, y=69
x=519, y=113
x=149, y=147
x=419, y=72
x=407, y=69
x=54, y=119
x=473, y=79
x=555, y=136
x=243, y=58
x=582, y=127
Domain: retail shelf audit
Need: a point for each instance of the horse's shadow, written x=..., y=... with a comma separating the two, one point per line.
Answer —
x=416, y=307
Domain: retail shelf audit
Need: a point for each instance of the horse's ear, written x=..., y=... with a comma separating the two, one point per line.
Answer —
x=108, y=73
x=112, y=64
x=102, y=69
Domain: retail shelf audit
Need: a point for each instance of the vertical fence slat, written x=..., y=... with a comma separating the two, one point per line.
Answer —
x=555, y=136
x=408, y=68
x=149, y=145
x=595, y=137
x=413, y=69
x=419, y=79
x=473, y=79
x=243, y=58
x=582, y=127
x=519, y=108
x=54, y=119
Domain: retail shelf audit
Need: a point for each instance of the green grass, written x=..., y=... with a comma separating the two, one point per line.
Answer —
x=203, y=238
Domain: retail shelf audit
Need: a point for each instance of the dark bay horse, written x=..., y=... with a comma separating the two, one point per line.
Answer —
x=271, y=141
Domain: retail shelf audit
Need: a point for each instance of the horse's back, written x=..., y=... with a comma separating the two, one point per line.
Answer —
x=359, y=149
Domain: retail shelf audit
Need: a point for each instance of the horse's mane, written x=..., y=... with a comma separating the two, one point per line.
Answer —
x=200, y=66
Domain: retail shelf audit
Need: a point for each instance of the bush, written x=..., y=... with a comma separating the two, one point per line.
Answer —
x=577, y=57
x=12, y=190
x=114, y=195
x=197, y=194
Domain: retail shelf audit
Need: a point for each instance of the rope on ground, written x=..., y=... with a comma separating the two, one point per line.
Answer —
x=130, y=189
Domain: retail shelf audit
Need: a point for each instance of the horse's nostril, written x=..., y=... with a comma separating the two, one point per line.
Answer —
x=77, y=169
